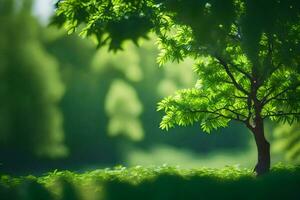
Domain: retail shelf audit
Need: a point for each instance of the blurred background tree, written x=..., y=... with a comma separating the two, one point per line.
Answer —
x=287, y=139
x=60, y=97
x=30, y=88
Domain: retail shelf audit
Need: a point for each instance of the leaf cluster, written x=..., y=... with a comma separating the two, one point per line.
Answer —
x=110, y=22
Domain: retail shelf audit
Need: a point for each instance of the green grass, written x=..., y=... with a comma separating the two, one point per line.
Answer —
x=159, y=183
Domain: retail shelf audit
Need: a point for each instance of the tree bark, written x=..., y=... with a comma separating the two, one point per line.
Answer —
x=263, y=149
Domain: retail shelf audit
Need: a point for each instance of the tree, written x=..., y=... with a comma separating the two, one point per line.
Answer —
x=246, y=56
x=30, y=121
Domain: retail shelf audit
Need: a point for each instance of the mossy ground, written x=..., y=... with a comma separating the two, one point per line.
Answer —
x=159, y=183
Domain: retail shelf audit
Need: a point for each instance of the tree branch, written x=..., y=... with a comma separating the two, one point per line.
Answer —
x=215, y=112
x=271, y=89
x=282, y=114
x=236, y=84
x=266, y=101
x=240, y=97
x=235, y=112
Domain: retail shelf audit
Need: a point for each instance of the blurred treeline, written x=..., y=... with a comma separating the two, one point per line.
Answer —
x=65, y=104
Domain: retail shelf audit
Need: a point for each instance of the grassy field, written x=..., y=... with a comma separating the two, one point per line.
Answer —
x=159, y=183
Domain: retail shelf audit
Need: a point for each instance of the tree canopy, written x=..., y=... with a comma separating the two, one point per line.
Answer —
x=236, y=44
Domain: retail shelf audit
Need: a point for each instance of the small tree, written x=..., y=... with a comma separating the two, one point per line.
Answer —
x=246, y=56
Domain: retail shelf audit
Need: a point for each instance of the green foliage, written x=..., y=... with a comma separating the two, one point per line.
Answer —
x=161, y=182
x=247, y=57
x=216, y=100
x=111, y=22
x=233, y=74
x=30, y=121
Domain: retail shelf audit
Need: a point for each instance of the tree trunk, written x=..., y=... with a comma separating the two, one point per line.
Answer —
x=263, y=150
